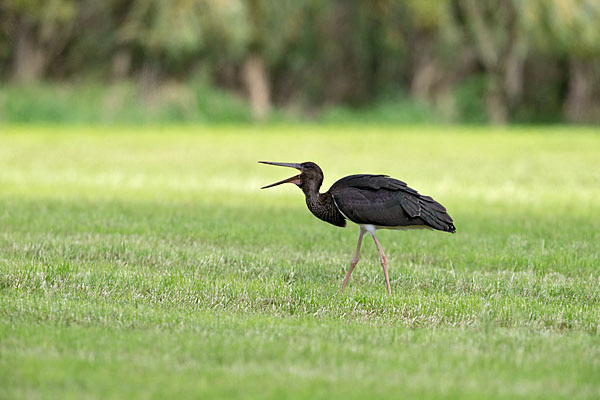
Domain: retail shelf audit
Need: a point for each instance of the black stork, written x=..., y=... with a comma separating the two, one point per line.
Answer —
x=371, y=201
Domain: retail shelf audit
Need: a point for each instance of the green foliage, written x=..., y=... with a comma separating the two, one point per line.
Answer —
x=43, y=12
x=429, y=15
x=400, y=111
x=47, y=103
x=141, y=263
x=198, y=102
x=568, y=27
x=313, y=56
x=120, y=103
x=215, y=105
x=470, y=100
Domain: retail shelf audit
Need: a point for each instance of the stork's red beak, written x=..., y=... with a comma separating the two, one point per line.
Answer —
x=294, y=179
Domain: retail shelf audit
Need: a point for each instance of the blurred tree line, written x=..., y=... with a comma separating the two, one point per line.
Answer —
x=518, y=60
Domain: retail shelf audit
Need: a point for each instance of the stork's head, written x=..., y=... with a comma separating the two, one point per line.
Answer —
x=310, y=175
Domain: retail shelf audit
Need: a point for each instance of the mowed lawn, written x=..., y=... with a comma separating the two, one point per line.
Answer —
x=147, y=263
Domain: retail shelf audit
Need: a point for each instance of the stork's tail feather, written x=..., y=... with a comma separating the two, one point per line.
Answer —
x=434, y=214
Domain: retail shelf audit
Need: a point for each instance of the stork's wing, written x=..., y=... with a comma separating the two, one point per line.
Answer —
x=384, y=201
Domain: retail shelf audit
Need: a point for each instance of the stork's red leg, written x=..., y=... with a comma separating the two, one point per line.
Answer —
x=355, y=259
x=383, y=259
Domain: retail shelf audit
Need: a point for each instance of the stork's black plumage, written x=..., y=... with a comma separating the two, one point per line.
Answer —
x=388, y=203
x=371, y=201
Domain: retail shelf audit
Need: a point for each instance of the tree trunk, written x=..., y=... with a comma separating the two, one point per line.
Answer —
x=121, y=64
x=425, y=70
x=578, y=105
x=254, y=71
x=496, y=102
x=257, y=85
x=30, y=60
x=501, y=47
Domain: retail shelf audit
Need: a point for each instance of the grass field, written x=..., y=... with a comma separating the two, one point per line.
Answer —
x=140, y=263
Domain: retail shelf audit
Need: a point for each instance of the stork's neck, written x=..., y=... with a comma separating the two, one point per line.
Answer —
x=311, y=188
x=322, y=205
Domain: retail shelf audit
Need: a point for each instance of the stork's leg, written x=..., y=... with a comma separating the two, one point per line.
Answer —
x=383, y=259
x=355, y=259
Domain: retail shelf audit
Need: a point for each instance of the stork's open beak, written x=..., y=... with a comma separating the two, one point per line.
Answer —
x=294, y=179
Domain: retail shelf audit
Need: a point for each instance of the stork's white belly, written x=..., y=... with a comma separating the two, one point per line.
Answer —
x=404, y=228
x=372, y=228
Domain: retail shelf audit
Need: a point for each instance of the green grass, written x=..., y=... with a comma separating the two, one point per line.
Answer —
x=146, y=262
